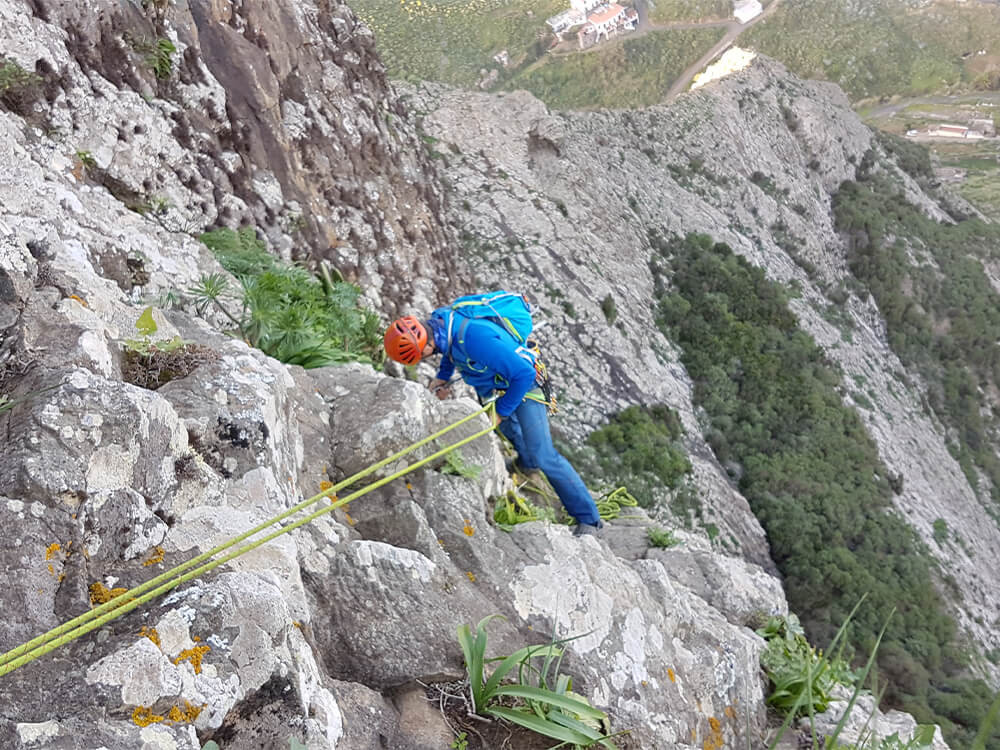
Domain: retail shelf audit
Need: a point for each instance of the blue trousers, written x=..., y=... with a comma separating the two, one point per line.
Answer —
x=528, y=429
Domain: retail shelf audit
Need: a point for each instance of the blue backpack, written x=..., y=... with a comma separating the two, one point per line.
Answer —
x=508, y=310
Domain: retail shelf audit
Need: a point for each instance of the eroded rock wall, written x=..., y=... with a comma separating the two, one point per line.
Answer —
x=273, y=115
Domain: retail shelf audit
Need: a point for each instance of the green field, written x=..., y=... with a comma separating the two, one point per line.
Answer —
x=981, y=161
x=622, y=74
x=884, y=47
x=667, y=11
x=451, y=40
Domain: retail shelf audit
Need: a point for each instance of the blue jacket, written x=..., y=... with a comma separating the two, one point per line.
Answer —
x=487, y=357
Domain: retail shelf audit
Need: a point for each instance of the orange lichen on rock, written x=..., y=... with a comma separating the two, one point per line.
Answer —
x=471, y=576
x=51, y=550
x=193, y=655
x=151, y=634
x=714, y=741
x=100, y=594
x=187, y=714
x=155, y=557
x=670, y=674
x=468, y=529
x=143, y=716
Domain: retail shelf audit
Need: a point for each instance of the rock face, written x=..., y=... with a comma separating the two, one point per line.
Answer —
x=150, y=122
x=105, y=484
x=560, y=205
x=203, y=114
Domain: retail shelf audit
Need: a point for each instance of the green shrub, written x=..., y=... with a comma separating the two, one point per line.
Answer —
x=810, y=471
x=158, y=55
x=941, y=318
x=662, y=538
x=19, y=89
x=609, y=309
x=940, y=531
x=640, y=447
x=283, y=309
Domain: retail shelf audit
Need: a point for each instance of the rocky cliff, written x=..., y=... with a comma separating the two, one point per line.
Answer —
x=148, y=122
x=563, y=204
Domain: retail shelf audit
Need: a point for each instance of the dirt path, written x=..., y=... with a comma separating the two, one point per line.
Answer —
x=645, y=26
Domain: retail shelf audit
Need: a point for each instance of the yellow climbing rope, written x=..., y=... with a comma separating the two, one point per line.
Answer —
x=126, y=602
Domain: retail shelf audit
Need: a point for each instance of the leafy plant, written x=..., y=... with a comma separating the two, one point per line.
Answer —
x=548, y=708
x=922, y=739
x=801, y=677
x=460, y=742
x=86, y=159
x=662, y=538
x=19, y=88
x=811, y=674
x=160, y=58
x=284, y=310
x=456, y=465
x=150, y=364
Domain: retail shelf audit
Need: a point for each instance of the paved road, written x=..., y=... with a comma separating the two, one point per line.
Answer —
x=887, y=110
x=735, y=28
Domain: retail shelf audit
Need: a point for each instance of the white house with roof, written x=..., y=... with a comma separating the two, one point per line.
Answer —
x=585, y=6
x=745, y=10
x=605, y=21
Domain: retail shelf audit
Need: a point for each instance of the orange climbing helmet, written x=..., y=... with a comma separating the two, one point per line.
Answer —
x=405, y=340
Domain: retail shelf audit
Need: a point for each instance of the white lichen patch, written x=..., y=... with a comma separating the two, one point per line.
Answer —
x=143, y=672
x=371, y=554
x=35, y=733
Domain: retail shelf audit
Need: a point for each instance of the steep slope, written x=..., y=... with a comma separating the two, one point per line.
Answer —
x=321, y=635
x=570, y=206
x=204, y=114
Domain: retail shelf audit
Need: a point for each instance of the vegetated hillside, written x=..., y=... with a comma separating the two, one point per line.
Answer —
x=869, y=467
x=870, y=49
x=886, y=47
x=624, y=73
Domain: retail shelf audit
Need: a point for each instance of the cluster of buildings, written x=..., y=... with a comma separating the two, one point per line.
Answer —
x=597, y=20
x=976, y=129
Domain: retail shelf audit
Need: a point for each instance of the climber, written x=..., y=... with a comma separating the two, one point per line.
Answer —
x=489, y=357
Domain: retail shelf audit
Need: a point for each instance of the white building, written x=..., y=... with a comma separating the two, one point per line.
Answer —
x=605, y=21
x=745, y=10
x=565, y=20
x=585, y=6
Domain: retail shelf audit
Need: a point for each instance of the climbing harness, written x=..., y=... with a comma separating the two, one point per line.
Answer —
x=542, y=379
x=133, y=598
